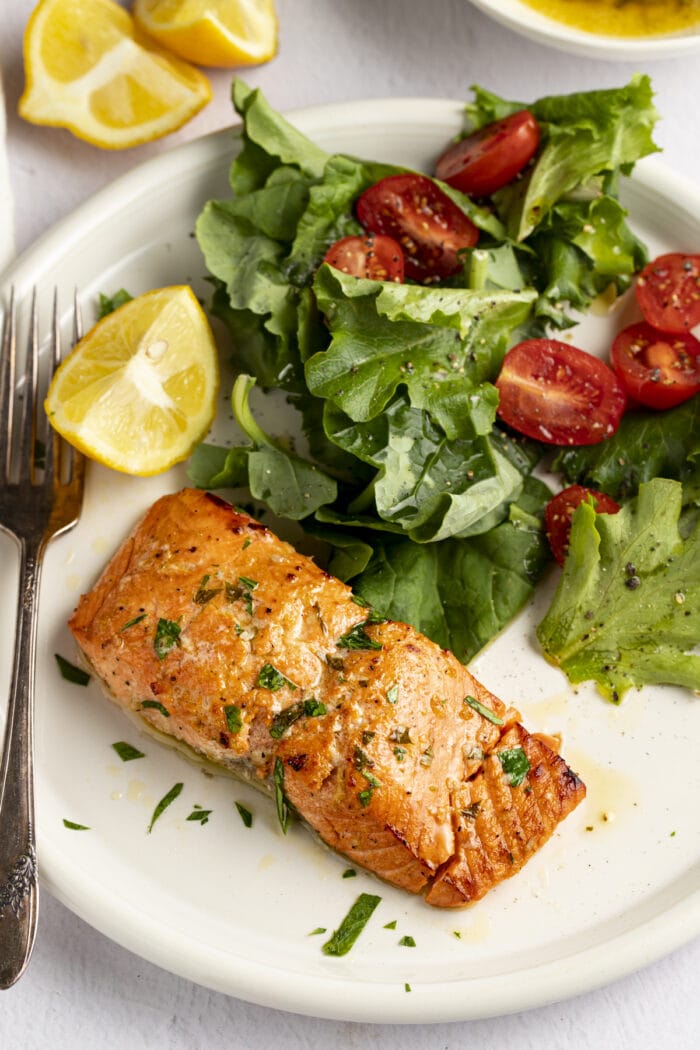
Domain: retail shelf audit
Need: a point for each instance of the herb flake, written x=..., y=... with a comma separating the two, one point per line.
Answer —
x=204, y=594
x=270, y=678
x=70, y=672
x=280, y=798
x=127, y=752
x=200, y=815
x=245, y=814
x=133, y=622
x=360, y=759
x=166, y=801
x=309, y=708
x=400, y=735
x=73, y=826
x=365, y=796
x=109, y=303
x=157, y=706
x=342, y=939
x=485, y=711
x=167, y=637
x=516, y=765
x=472, y=811
x=234, y=720
x=357, y=638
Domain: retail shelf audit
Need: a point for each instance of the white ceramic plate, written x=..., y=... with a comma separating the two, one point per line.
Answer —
x=232, y=908
x=528, y=22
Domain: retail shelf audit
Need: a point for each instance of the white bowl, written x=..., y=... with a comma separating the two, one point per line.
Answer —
x=530, y=23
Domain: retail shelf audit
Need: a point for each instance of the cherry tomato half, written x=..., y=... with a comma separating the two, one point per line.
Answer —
x=658, y=369
x=429, y=227
x=668, y=292
x=558, y=394
x=560, y=510
x=490, y=158
x=376, y=257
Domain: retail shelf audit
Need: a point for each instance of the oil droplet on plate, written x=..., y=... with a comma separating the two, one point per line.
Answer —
x=267, y=861
x=610, y=794
x=550, y=711
x=476, y=932
x=135, y=790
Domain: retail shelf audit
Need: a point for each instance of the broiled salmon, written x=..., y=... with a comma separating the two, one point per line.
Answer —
x=220, y=634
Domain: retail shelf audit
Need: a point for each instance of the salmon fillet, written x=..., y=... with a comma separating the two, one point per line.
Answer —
x=220, y=634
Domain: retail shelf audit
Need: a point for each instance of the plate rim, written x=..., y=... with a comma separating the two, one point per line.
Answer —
x=484, y=997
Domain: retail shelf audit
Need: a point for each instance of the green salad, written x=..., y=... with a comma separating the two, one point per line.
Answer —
x=423, y=498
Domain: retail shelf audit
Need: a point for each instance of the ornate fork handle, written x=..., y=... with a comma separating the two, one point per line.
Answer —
x=19, y=889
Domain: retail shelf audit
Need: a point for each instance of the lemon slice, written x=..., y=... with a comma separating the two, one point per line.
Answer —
x=89, y=68
x=139, y=390
x=212, y=32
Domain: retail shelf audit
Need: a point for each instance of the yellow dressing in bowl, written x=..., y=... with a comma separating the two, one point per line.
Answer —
x=622, y=17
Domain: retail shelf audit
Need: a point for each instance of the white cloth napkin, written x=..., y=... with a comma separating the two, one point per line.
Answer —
x=7, y=241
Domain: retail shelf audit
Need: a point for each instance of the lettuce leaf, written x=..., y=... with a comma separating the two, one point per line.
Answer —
x=388, y=335
x=461, y=593
x=583, y=135
x=627, y=609
x=647, y=444
x=430, y=486
x=563, y=218
x=291, y=487
x=268, y=141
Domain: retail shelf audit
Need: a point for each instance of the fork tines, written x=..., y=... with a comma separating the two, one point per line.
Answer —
x=28, y=445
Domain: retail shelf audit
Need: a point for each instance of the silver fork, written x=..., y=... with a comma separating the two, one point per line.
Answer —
x=37, y=502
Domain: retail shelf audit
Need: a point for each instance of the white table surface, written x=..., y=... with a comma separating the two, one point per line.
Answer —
x=82, y=991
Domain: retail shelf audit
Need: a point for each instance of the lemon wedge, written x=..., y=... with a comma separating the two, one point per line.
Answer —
x=139, y=390
x=89, y=68
x=212, y=32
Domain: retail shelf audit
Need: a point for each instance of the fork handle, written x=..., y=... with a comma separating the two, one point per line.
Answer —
x=19, y=889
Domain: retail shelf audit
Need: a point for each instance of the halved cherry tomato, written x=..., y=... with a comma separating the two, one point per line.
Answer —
x=375, y=256
x=668, y=292
x=429, y=227
x=560, y=510
x=558, y=394
x=490, y=158
x=658, y=369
